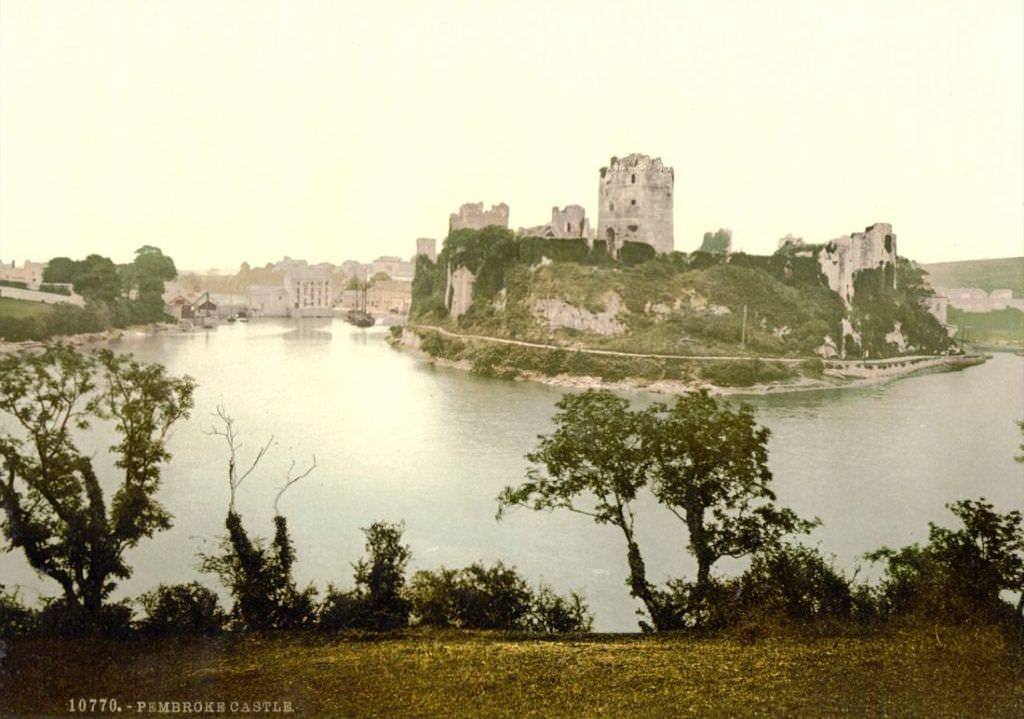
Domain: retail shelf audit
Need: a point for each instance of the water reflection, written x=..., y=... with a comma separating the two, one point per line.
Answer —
x=401, y=440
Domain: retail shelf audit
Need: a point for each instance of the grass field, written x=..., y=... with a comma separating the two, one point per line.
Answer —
x=923, y=671
x=20, y=309
x=1003, y=327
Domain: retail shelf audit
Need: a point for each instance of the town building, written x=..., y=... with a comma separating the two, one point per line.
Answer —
x=394, y=267
x=30, y=274
x=309, y=291
x=268, y=301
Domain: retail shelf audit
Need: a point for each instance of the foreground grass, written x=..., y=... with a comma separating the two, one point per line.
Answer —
x=923, y=671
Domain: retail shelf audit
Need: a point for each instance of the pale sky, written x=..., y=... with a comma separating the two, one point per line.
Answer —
x=224, y=131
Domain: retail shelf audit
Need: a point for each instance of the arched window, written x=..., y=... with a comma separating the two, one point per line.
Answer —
x=633, y=179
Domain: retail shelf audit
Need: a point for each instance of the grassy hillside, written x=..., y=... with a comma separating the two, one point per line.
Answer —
x=1000, y=327
x=1005, y=273
x=23, y=309
x=562, y=292
x=927, y=671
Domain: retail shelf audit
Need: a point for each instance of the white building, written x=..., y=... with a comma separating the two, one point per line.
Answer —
x=309, y=292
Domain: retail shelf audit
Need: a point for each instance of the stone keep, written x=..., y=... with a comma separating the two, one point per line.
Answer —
x=635, y=203
x=473, y=216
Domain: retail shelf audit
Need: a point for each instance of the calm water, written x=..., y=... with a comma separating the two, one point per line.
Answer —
x=397, y=439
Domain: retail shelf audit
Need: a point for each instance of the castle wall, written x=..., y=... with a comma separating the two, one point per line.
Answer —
x=473, y=216
x=844, y=256
x=459, y=291
x=635, y=203
x=570, y=222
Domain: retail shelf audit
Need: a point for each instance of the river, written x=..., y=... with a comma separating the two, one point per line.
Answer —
x=398, y=439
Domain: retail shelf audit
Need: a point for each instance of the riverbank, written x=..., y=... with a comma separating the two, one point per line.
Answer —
x=913, y=671
x=785, y=374
x=86, y=339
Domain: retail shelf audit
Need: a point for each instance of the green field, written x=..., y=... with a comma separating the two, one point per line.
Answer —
x=918, y=671
x=999, y=327
x=1005, y=273
x=20, y=309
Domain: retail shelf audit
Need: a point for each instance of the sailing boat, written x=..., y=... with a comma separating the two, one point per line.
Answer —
x=359, y=316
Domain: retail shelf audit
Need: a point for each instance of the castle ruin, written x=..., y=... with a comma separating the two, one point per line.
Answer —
x=473, y=216
x=843, y=257
x=569, y=223
x=426, y=246
x=635, y=203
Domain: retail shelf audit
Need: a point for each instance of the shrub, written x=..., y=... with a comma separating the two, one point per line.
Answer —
x=497, y=597
x=15, y=617
x=796, y=581
x=62, y=619
x=183, y=609
x=378, y=601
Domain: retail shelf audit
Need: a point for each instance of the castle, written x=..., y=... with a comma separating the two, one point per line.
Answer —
x=635, y=203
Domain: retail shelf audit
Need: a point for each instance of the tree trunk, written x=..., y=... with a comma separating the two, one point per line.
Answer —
x=639, y=586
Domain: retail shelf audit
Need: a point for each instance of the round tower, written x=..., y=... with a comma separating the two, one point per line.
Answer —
x=635, y=203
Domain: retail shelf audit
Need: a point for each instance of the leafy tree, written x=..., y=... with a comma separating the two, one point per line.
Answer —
x=54, y=504
x=594, y=464
x=181, y=609
x=378, y=602
x=704, y=461
x=970, y=565
x=380, y=577
x=709, y=465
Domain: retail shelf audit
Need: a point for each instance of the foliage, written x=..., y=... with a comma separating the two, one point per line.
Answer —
x=595, y=464
x=958, y=570
x=54, y=503
x=709, y=467
x=995, y=327
x=378, y=601
x=795, y=580
x=878, y=308
x=717, y=243
x=701, y=459
x=479, y=597
x=260, y=578
x=745, y=373
x=15, y=617
x=63, y=618
x=181, y=609
x=635, y=253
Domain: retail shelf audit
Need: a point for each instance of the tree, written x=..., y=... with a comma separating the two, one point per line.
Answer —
x=594, y=464
x=709, y=467
x=380, y=577
x=986, y=556
x=54, y=503
x=968, y=566
x=701, y=459
x=259, y=578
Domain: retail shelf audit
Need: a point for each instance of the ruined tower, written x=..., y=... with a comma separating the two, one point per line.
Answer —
x=635, y=203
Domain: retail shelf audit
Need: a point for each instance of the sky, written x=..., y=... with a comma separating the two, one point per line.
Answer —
x=225, y=131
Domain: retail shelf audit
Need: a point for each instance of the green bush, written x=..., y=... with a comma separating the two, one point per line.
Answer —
x=15, y=618
x=497, y=597
x=796, y=581
x=181, y=609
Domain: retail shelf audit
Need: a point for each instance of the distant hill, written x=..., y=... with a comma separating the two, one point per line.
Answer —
x=988, y=275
